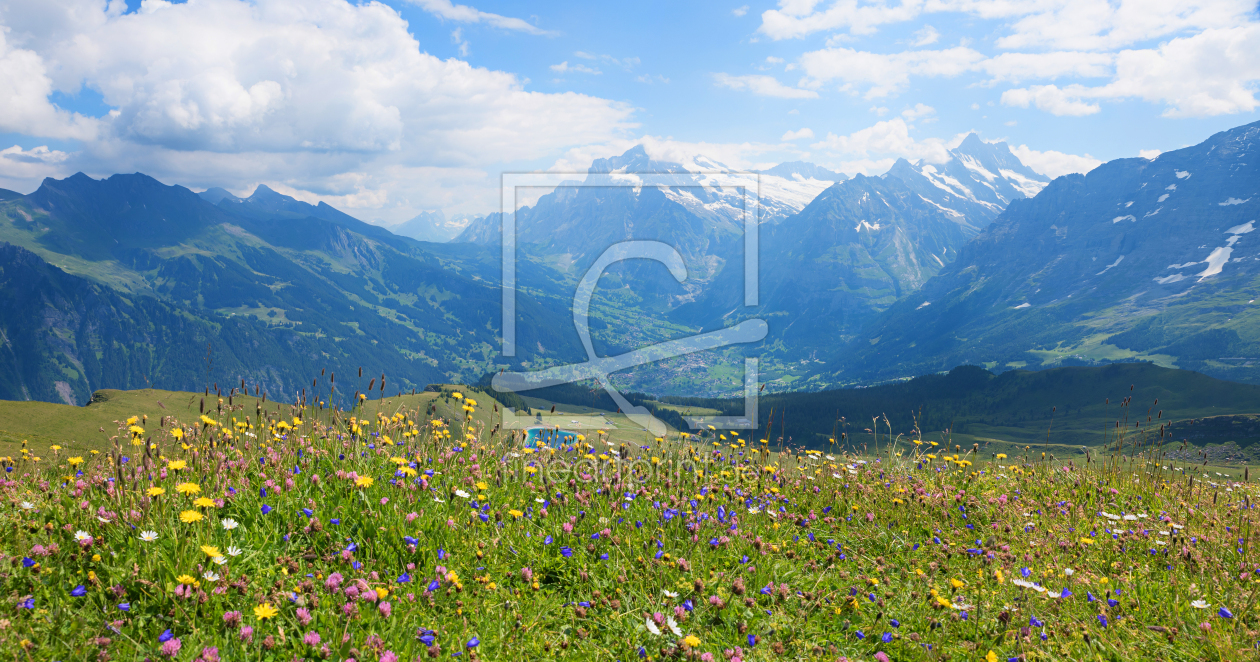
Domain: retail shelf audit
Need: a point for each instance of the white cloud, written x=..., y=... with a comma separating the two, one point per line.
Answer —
x=797, y=135
x=766, y=86
x=740, y=11
x=323, y=96
x=919, y=110
x=1092, y=25
x=24, y=104
x=565, y=67
x=889, y=137
x=770, y=59
x=465, y=14
x=22, y=168
x=1052, y=163
x=797, y=18
x=1023, y=66
x=883, y=74
x=1050, y=99
x=1057, y=24
x=1212, y=73
x=457, y=38
x=925, y=36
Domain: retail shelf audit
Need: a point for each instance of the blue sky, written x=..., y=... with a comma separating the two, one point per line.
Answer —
x=388, y=109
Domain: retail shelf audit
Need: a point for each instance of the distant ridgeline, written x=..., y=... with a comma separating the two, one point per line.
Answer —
x=1077, y=406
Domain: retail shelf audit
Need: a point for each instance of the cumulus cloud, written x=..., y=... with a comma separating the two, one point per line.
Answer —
x=797, y=135
x=24, y=104
x=883, y=74
x=925, y=36
x=739, y=11
x=1208, y=64
x=1051, y=99
x=766, y=86
x=1054, y=164
x=889, y=137
x=919, y=110
x=25, y=166
x=1064, y=24
x=318, y=95
x=799, y=18
x=1211, y=73
x=1024, y=66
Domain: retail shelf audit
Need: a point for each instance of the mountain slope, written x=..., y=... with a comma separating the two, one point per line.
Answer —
x=829, y=270
x=1138, y=259
x=975, y=185
x=306, y=275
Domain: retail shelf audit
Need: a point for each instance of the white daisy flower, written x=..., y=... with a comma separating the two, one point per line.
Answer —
x=1069, y=572
x=27, y=505
x=229, y=524
x=148, y=536
x=1200, y=604
x=233, y=550
x=462, y=494
x=81, y=535
x=219, y=560
x=210, y=575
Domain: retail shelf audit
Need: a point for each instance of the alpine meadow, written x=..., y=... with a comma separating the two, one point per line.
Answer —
x=824, y=330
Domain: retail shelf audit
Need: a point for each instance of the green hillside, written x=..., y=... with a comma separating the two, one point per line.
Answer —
x=1076, y=406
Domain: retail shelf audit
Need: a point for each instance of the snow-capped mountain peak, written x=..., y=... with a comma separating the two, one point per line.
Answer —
x=977, y=182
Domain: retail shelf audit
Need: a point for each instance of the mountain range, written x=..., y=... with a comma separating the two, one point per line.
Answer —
x=1137, y=260
x=125, y=282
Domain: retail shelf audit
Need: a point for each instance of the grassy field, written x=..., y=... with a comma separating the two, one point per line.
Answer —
x=84, y=429
x=410, y=528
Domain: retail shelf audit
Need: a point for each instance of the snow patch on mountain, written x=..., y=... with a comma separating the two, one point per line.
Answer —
x=976, y=184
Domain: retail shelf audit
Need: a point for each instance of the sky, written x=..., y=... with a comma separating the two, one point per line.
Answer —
x=386, y=109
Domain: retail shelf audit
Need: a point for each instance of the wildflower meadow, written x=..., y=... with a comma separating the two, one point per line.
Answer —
x=418, y=529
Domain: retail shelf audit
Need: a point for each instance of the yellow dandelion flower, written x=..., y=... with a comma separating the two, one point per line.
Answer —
x=956, y=583
x=188, y=488
x=190, y=516
x=204, y=502
x=186, y=579
x=265, y=611
x=74, y=461
x=176, y=465
x=364, y=481
x=155, y=491
x=515, y=513
x=178, y=433
x=692, y=640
